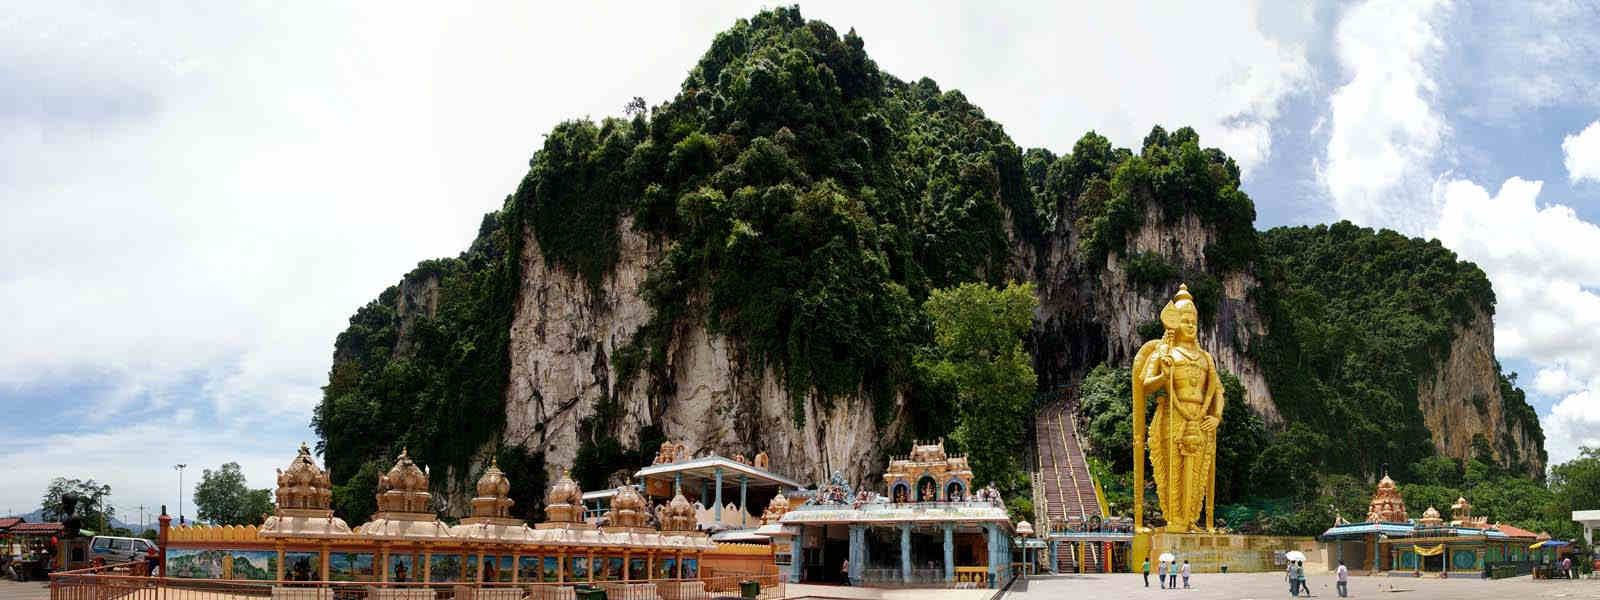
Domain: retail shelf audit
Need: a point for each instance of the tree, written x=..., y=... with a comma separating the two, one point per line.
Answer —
x=978, y=351
x=635, y=106
x=91, y=501
x=222, y=498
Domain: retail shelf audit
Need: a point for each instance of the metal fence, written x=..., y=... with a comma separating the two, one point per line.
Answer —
x=116, y=583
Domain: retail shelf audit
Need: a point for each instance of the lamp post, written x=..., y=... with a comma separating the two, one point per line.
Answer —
x=180, y=468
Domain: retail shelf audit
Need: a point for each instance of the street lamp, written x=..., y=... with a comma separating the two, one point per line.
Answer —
x=180, y=468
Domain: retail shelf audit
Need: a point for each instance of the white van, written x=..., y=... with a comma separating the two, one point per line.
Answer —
x=119, y=549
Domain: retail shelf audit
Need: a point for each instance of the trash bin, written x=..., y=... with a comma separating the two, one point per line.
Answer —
x=584, y=592
x=747, y=589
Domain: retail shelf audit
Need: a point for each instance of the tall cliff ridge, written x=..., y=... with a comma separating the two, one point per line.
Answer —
x=565, y=333
x=743, y=268
x=1464, y=403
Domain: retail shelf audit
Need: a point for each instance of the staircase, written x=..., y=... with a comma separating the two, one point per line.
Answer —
x=1068, y=488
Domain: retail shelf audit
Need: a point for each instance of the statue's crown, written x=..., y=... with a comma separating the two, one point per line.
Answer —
x=1181, y=302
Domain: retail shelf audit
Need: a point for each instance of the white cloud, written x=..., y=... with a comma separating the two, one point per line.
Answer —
x=1383, y=131
x=1582, y=154
x=196, y=201
x=1573, y=422
x=1541, y=264
x=136, y=461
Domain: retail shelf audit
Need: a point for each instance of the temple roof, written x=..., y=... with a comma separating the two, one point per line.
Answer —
x=931, y=512
x=705, y=468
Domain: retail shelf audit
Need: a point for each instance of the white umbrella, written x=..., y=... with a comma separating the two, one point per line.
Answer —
x=1167, y=557
x=1295, y=555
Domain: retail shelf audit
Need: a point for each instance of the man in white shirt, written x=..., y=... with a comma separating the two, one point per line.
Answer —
x=1344, y=580
x=1186, y=574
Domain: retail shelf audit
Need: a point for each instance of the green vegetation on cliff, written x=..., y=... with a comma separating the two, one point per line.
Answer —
x=1355, y=320
x=809, y=206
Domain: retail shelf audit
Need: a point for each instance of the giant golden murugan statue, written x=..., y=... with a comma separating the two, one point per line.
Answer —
x=1183, y=431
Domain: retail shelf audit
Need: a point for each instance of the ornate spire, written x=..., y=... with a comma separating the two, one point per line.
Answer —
x=405, y=488
x=564, y=504
x=303, y=485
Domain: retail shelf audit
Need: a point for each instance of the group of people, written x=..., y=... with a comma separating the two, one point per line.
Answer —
x=1168, y=571
x=1296, y=573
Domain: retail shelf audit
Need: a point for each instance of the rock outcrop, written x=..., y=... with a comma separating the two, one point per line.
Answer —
x=1463, y=401
x=563, y=335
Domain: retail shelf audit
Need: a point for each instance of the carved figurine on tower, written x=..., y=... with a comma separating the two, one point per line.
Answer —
x=1183, y=431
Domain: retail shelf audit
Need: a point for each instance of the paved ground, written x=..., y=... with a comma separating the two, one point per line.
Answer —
x=32, y=590
x=1245, y=586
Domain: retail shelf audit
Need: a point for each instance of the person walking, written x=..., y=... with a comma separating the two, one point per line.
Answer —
x=1344, y=580
x=1185, y=574
x=1146, y=569
x=1172, y=574
x=1300, y=576
x=1288, y=575
x=1161, y=572
x=1566, y=567
x=844, y=571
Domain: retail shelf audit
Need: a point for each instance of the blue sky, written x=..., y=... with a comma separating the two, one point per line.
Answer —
x=194, y=197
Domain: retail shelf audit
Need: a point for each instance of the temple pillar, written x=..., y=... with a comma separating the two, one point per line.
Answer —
x=719, y=494
x=949, y=552
x=744, y=513
x=858, y=552
x=905, y=552
x=677, y=483
x=995, y=558
x=797, y=561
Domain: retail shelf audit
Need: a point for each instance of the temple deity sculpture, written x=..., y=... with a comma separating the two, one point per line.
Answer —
x=1182, y=435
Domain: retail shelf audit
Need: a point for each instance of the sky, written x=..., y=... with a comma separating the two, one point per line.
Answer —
x=196, y=196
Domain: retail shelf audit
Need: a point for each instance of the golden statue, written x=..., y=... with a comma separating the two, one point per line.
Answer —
x=1183, y=431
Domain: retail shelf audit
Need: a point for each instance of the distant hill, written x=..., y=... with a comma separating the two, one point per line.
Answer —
x=37, y=516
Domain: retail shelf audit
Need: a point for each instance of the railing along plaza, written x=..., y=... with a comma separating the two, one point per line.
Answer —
x=116, y=583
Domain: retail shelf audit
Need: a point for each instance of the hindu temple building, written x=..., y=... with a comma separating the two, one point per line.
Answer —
x=1390, y=543
x=681, y=521
x=929, y=526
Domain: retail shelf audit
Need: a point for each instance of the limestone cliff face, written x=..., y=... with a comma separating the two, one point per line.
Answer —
x=1090, y=314
x=563, y=336
x=1462, y=400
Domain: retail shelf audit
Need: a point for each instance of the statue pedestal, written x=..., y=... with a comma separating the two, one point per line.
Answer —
x=1207, y=552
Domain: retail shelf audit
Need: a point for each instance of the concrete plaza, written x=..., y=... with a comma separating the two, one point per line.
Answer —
x=1242, y=586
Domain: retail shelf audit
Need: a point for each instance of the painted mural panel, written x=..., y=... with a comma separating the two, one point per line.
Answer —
x=350, y=566
x=528, y=568
x=255, y=565
x=403, y=568
x=445, y=568
x=552, y=569
x=302, y=566
x=195, y=563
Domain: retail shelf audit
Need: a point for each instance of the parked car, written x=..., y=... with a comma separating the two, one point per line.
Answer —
x=119, y=549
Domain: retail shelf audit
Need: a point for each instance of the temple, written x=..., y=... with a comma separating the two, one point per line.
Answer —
x=929, y=527
x=1391, y=544
x=683, y=521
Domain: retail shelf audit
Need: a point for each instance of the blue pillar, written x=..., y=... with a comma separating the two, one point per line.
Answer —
x=743, y=512
x=719, y=494
x=677, y=483
x=949, y=552
x=993, y=535
x=797, y=555
x=905, y=552
x=858, y=552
